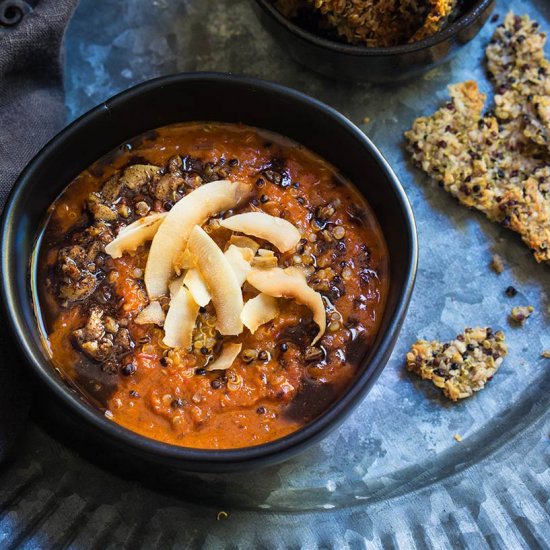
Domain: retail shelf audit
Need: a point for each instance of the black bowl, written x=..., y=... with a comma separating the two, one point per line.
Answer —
x=191, y=97
x=382, y=65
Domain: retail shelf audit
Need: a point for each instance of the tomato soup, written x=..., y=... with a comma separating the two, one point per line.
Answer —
x=160, y=364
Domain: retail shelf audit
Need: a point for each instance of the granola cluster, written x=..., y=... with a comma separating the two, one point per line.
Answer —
x=375, y=23
x=461, y=367
x=497, y=163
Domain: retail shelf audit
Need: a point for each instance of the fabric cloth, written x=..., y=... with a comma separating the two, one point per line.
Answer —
x=31, y=112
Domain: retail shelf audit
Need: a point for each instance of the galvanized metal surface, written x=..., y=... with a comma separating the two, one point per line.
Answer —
x=393, y=474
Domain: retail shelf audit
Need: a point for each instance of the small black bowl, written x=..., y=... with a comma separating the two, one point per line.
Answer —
x=381, y=65
x=192, y=97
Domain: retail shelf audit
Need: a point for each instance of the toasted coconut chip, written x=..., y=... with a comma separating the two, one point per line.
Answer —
x=151, y=315
x=277, y=231
x=175, y=285
x=239, y=259
x=171, y=238
x=180, y=320
x=290, y=283
x=135, y=234
x=258, y=311
x=227, y=356
x=197, y=287
x=220, y=280
x=243, y=242
x=184, y=261
x=265, y=259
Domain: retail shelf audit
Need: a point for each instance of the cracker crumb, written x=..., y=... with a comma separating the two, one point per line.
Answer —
x=461, y=367
x=497, y=264
x=366, y=120
x=458, y=438
x=546, y=354
x=499, y=163
x=520, y=314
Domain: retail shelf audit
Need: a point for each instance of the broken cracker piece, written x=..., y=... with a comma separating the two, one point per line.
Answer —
x=497, y=163
x=461, y=367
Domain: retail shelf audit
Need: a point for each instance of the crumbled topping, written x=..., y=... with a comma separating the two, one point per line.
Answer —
x=461, y=367
x=520, y=314
x=497, y=264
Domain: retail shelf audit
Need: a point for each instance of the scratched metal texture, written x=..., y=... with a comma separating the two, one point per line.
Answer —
x=393, y=475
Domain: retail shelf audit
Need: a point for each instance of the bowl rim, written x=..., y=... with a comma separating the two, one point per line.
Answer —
x=266, y=452
x=475, y=11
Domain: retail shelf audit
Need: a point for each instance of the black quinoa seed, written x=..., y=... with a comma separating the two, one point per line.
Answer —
x=163, y=362
x=200, y=371
x=283, y=347
x=177, y=403
x=128, y=369
x=204, y=350
x=260, y=182
x=216, y=384
x=470, y=347
x=264, y=199
x=262, y=356
x=134, y=393
x=233, y=163
x=260, y=410
x=511, y=291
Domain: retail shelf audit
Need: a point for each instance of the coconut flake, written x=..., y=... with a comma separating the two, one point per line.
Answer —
x=180, y=320
x=135, y=234
x=228, y=354
x=277, y=231
x=183, y=261
x=243, y=242
x=172, y=236
x=220, y=280
x=265, y=258
x=151, y=315
x=290, y=283
x=197, y=287
x=258, y=311
x=239, y=259
x=175, y=285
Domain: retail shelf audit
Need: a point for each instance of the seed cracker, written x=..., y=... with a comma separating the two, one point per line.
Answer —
x=461, y=367
x=497, y=163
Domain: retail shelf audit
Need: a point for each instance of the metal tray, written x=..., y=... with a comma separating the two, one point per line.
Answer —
x=393, y=475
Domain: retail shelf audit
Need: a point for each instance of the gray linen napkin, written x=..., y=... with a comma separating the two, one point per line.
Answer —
x=31, y=111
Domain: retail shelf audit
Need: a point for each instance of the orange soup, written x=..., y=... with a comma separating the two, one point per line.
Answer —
x=211, y=285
